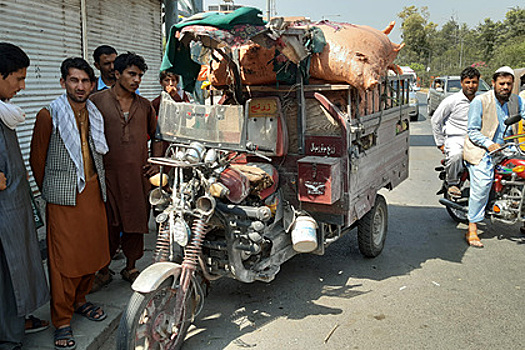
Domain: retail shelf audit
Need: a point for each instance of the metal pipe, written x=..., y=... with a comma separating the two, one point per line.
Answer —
x=83, y=19
x=171, y=15
x=449, y=203
x=259, y=213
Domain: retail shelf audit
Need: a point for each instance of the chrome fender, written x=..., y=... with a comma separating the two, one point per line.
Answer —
x=153, y=276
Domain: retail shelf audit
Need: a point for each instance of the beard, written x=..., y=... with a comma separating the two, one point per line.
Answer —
x=73, y=97
x=502, y=95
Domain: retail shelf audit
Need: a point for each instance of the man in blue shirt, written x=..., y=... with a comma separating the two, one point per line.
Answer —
x=104, y=58
x=486, y=117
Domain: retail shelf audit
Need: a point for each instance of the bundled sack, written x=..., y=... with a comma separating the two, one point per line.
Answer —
x=353, y=54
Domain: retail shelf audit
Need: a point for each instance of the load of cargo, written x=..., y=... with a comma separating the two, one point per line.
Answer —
x=278, y=52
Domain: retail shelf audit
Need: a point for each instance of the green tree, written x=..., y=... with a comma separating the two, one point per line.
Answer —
x=510, y=53
x=416, y=29
x=487, y=35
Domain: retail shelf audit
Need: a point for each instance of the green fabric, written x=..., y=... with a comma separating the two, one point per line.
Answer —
x=177, y=57
x=243, y=15
x=318, y=42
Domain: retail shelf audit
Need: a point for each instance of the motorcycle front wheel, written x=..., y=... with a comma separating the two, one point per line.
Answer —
x=148, y=322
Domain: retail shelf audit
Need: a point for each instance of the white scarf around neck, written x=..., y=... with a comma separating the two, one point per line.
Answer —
x=11, y=115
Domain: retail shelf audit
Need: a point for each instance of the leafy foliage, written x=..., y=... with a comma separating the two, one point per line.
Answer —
x=431, y=51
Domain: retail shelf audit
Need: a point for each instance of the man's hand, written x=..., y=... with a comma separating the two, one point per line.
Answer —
x=3, y=181
x=172, y=90
x=442, y=148
x=494, y=147
x=151, y=169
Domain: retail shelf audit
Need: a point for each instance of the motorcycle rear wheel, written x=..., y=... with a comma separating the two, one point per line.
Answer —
x=458, y=215
x=145, y=323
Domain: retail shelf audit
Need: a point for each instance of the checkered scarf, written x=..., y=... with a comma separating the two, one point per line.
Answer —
x=64, y=121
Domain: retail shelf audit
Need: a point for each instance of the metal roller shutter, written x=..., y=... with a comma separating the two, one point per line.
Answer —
x=129, y=25
x=48, y=31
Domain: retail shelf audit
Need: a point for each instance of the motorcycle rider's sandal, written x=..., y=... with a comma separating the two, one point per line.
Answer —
x=454, y=191
x=130, y=275
x=66, y=335
x=473, y=239
x=91, y=312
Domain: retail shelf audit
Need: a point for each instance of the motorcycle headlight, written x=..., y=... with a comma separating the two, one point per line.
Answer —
x=412, y=101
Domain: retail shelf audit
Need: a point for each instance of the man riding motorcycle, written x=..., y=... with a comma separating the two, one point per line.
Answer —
x=449, y=126
x=486, y=128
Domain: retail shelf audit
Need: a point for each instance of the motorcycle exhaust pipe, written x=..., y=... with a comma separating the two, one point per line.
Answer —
x=205, y=205
x=158, y=197
x=449, y=203
x=259, y=213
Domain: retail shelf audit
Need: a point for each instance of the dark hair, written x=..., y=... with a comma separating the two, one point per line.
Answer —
x=469, y=72
x=163, y=74
x=502, y=74
x=103, y=50
x=129, y=59
x=12, y=58
x=78, y=63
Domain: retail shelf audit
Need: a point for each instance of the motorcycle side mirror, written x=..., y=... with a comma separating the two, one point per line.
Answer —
x=512, y=120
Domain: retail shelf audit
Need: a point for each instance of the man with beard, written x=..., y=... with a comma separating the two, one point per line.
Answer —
x=23, y=286
x=104, y=58
x=449, y=125
x=128, y=121
x=67, y=160
x=486, y=117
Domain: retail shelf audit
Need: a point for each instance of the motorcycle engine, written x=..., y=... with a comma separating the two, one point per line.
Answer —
x=508, y=207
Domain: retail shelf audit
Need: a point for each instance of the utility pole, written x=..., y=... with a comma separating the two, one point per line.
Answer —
x=461, y=53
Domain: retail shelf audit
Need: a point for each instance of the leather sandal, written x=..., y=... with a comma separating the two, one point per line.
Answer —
x=454, y=191
x=34, y=325
x=65, y=333
x=91, y=312
x=130, y=275
x=473, y=239
x=101, y=280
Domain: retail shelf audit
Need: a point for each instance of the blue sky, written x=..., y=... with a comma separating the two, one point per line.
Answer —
x=378, y=13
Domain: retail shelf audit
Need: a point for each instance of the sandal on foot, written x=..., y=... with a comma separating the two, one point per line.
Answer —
x=473, y=239
x=454, y=191
x=34, y=325
x=130, y=275
x=91, y=312
x=101, y=280
x=66, y=334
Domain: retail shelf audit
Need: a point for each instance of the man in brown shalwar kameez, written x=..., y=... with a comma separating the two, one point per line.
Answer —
x=67, y=161
x=128, y=120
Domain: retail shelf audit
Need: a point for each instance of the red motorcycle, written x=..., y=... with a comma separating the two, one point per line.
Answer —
x=508, y=189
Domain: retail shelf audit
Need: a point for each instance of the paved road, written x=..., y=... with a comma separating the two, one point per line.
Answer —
x=427, y=290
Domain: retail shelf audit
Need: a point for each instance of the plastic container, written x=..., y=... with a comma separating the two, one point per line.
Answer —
x=304, y=234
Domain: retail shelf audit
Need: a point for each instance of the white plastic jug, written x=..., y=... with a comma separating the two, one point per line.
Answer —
x=304, y=234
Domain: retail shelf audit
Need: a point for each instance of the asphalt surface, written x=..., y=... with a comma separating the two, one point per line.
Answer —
x=427, y=290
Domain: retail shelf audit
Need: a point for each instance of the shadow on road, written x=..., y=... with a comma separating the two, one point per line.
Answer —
x=421, y=140
x=234, y=309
